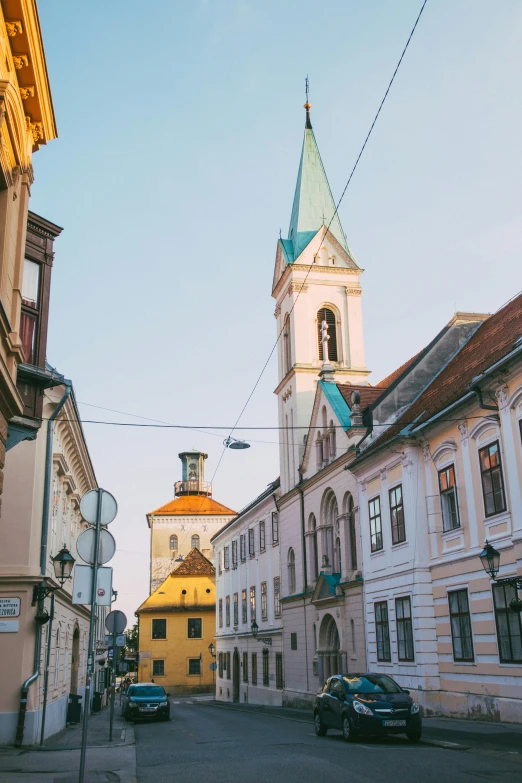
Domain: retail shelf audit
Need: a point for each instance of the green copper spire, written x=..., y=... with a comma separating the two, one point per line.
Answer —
x=313, y=201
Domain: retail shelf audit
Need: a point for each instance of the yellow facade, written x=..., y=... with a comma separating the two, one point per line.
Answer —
x=176, y=626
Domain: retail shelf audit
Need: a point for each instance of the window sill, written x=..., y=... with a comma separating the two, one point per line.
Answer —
x=455, y=531
x=400, y=545
x=379, y=553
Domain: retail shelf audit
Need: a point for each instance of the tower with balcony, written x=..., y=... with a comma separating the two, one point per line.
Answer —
x=187, y=522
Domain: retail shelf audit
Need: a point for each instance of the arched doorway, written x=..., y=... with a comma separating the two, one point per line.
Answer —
x=235, y=675
x=75, y=660
x=331, y=660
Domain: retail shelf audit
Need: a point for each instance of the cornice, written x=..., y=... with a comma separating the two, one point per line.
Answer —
x=327, y=270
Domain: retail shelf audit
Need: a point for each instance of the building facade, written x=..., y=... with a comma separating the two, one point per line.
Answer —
x=45, y=479
x=26, y=122
x=249, y=643
x=433, y=486
x=187, y=522
x=176, y=627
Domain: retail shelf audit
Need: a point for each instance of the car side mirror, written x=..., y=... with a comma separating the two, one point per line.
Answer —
x=405, y=690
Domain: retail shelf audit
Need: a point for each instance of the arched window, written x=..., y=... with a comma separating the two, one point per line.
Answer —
x=350, y=529
x=66, y=659
x=291, y=571
x=173, y=543
x=312, y=538
x=287, y=346
x=337, y=556
x=325, y=314
x=194, y=541
x=329, y=514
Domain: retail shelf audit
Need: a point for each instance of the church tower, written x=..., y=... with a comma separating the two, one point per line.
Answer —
x=187, y=522
x=316, y=282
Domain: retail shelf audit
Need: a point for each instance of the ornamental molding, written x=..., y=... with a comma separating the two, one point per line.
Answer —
x=426, y=453
x=27, y=92
x=20, y=61
x=13, y=27
x=353, y=291
x=296, y=288
x=463, y=429
x=287, y=394
x=277, y=311
x=502, y=395
x=36, y=128
x=384, y=475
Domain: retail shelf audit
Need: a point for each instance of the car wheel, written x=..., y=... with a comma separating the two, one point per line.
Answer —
x=414, y=736
x=320, y=728
x=349, y=733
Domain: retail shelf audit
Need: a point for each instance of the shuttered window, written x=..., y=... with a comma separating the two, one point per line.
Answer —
x=327, y=315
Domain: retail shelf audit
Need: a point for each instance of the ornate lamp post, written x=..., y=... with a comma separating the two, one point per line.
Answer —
x=490, y=560
x=63, y=565
x=212, y=650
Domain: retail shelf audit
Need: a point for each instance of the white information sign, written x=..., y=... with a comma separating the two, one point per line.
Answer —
x=82, y=585
x=9, y=607
x=8, y=626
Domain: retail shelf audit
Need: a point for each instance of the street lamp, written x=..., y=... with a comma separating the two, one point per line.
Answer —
x=490, y=559
x=63, y=565
x=255, y=629
x=212, y=650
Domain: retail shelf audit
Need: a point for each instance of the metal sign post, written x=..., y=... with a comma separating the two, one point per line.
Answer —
x=115, y=623
x=97, y=507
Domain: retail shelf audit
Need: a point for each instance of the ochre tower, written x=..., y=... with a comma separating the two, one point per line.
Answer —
x=188, y=521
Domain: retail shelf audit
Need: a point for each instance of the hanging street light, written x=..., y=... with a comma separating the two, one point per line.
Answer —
x=232, y=443
x=212, y=650
x=255, y=629
x=490, y=559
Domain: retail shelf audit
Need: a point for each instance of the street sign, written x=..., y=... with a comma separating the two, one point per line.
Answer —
x=89, y=507
x=110, y=654
x=9, y=607
x=213, y=666
x=121, y=640
x=86, y=542
x=116, y=622
x=82, y=585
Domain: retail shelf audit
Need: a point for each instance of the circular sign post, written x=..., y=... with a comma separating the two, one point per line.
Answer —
x=89, y=507
x=116, y=622
x=86, y=545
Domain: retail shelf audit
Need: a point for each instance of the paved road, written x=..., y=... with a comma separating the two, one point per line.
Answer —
x=222, y=744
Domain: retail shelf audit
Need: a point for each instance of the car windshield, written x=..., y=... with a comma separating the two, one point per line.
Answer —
x=149, y=691
x=370, y=683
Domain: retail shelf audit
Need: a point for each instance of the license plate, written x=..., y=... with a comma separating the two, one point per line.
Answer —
x=394, y=723
x=146, y=709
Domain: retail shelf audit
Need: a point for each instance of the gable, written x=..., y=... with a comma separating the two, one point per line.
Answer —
x=337, y=409
x=327, y=587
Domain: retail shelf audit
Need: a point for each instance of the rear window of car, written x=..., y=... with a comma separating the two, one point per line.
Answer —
x=148, y=691
x=371, y=683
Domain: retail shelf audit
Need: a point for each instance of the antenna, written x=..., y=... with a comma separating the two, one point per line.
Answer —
x=307, y=87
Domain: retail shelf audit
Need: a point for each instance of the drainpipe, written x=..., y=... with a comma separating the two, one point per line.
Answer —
x=478, y=392
x=305, y=575
x=43, y=561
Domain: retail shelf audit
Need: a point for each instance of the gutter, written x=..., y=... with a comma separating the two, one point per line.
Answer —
x=43, y=561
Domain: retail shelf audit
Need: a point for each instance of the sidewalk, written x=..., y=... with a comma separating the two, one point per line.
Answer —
x=59, y=759
x=453, y=734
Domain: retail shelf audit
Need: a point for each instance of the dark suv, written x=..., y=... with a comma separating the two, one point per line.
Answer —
x=145, y=700
x=363, y=704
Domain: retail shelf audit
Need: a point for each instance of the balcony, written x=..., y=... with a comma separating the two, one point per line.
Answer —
x=193, y=488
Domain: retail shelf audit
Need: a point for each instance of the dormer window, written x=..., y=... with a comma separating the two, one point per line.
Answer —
x=325, y=314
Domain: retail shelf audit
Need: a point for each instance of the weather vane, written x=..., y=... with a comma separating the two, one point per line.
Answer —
x=307, y=87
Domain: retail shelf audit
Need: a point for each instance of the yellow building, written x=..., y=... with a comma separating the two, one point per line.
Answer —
x=176, y=626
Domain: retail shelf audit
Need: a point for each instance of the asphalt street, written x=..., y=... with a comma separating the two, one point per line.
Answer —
x=206, y=741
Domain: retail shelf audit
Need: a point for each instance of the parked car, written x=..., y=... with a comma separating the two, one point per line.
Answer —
x=145, y=700
x=366, y=704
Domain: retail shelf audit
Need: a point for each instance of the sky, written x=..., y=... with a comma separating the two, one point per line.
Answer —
x=180, y=130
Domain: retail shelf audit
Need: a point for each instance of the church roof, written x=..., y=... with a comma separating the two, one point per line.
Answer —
x=186, y=505
x=314, y=205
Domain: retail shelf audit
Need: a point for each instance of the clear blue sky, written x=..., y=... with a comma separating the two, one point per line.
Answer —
x=180, y=129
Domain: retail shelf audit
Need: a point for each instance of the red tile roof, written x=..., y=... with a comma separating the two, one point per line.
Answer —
x=369, y=394
x=493, y=340
x=193, y=504
x=194, y=564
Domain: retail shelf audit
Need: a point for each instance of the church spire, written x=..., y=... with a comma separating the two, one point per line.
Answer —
x=314, y=205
